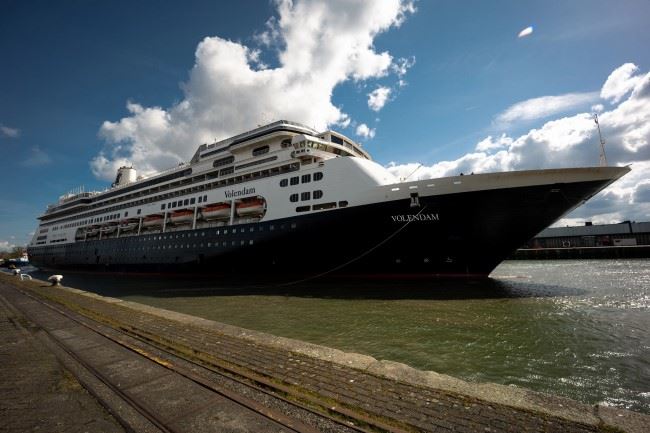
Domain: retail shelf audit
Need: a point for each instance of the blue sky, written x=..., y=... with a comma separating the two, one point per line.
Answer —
x=446, y=76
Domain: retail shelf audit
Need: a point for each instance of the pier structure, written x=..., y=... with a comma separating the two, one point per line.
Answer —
x=152, y=370
x=624, y=240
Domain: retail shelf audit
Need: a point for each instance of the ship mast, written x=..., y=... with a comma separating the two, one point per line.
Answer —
x=603, y=158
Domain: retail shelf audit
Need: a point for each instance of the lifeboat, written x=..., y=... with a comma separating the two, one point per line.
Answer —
x=128, y=225
x=81, y=234
x=109, y=228
x=216, y=211
x=254, y=207
x=152, y=221
x=182, y=216
x=92, y=231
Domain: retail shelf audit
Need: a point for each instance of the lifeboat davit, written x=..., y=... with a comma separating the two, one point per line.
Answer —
x=182, y=216
x=109, y=228
x=152, y=221
x=128, y=225
x=254, y=207
x=92, y=231
x=216, y=211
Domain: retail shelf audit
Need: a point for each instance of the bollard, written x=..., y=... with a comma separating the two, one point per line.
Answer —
x=55, y=279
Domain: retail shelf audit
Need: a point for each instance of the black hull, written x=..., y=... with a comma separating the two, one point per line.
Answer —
x=464, y=234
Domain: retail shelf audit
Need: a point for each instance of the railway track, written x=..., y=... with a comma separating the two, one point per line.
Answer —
x=268, y=405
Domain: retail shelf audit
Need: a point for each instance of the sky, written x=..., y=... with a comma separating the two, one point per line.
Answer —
x=429, y=88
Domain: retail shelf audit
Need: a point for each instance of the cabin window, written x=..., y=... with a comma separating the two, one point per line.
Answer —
x=260, y=150
x=200, y=199
x=335, y=139
x=324, y=206
x=305, y=196
x=343, y=203
x=223, y=161
x=318, y=176
x=139, y=210
x=225, y=171
x=162, y=206
x=126, y=214
x=192, y=200
x=284, y=182
x=293, y=198
x=318, y=194
x=303, y=208
x=286, y=143
x=295, y=180
x=186, y=202
x=306, y=178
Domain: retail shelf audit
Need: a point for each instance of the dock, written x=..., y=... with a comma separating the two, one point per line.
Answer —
x=132, y=367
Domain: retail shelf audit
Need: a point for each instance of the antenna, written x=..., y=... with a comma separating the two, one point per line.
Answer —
x=603, y=157
x=412, y=173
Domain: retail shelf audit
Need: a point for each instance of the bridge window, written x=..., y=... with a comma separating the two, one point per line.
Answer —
x=260, y=150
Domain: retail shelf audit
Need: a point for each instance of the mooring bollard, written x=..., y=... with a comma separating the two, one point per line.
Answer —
x=55, y=279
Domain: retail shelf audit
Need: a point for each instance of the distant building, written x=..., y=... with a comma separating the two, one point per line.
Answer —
x=626, y=239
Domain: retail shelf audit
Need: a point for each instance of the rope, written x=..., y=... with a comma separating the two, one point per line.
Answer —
x=363, y=254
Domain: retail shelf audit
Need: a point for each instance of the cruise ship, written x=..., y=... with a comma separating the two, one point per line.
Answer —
x=285, y=199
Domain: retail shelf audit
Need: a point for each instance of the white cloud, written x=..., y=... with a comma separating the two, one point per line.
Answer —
x=37, y=157
x=490, y=143
x=545, y=106
x=364, y=131
x=9, y=132
x=229, y=91
x=569, y=142
x=620, y=82
x=6, y=246
x=401, y=66
x=525, y=32
x=378, y=98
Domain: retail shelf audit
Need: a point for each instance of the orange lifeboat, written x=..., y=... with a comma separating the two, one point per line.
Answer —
x=108, y=228
x=128, y=225
x=182, y=216
x=216, y=211
x=249, y=208
x=152, y=221
x=92, y=231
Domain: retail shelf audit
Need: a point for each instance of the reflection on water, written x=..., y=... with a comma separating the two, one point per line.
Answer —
x=576, y=328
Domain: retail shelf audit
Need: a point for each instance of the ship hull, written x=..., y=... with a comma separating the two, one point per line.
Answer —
x=462, y=234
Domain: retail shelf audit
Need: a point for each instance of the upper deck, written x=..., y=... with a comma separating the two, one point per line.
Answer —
x=286, y=141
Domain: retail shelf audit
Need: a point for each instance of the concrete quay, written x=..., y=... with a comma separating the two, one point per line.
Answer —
x=380, y=395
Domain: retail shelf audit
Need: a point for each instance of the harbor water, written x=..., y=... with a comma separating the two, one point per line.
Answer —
x=577, y=328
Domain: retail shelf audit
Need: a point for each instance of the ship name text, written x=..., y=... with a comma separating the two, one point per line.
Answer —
x=416, y=217
x=240, y=192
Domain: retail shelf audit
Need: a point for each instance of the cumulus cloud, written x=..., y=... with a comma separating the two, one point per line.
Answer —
x=37, y=157
x=6, y=246
x=573, y=141
x=364, y=131
x=378, y=98
x=9, y=132
x=620, y=82
x=545, y=106
x=230, y=91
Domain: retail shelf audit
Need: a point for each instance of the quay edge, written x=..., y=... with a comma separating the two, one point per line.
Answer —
x=599, y=417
